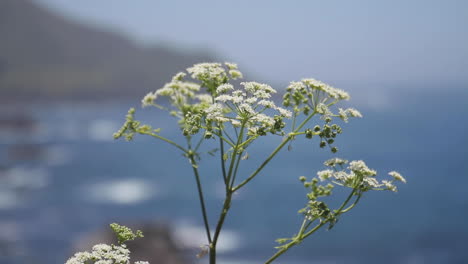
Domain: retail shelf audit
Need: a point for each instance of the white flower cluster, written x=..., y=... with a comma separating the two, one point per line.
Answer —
x=311, y=94
x=207, y=71
x=214, y=74
x=179, y=92
x=104, y=254
x=211, y=99
x=359, y=175
x=330, y=91
x=186, y=95
x=344, y=114
x=233, y=71
x=246, y=106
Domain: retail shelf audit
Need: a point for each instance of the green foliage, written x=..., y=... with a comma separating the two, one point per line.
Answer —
x=208, y=107
x=124, y=233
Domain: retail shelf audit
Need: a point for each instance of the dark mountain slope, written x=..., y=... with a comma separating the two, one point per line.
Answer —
x=45, y=56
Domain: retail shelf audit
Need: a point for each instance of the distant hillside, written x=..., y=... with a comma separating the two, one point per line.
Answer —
x=45, y=56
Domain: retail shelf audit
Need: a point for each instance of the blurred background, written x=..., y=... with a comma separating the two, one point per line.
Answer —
x=69, y=71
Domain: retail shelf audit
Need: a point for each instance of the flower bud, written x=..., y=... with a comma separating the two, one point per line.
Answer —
x=208, y=135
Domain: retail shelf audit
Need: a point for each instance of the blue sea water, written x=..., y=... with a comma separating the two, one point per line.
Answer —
x=84, y=180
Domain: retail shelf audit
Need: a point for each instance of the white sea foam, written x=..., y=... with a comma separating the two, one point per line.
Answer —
x=126, y=191
x=193, y=236
x=251, y=261
x=8, y=199
x=25, y=178
x=58, y=155
x=102, y=130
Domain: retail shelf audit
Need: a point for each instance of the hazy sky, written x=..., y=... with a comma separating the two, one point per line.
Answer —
x=372, y=40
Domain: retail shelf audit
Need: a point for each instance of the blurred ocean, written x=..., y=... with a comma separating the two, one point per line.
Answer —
x=62, y=175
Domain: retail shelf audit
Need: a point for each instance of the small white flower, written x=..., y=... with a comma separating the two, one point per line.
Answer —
x=165, y=91
x=237, y=99
x=179, y=76
x=325, y=174
x=335, y=161
x=350, y=112
x=238, y=93
x=397, y=176
x=264, y=119
x=353, y=112
x=389, y=186
x=253, y=87
x=315, y=84
x=284, y=112
x=372, y=182
x=102, y=254
x=235, y=123
x=148, y=99
x=231, y=66
x=224, y=88
x=337, y=93
x=102, y=248
x=343, y=176
x=343, y=115
x=214, y=111
x=206, y=71
x=246, y=108
x=235, y=74
x=267, y=103
x=324, y=111
x=204, y=98
x=262, y=94
x=295, y=86
x=223, y=98
x=106, y=262
x=251, y=100
x=358, y=166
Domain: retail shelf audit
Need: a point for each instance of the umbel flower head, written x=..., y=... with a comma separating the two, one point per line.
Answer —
x=312, y=94
x=104, y=254
x=355, y=175
x=209, y=102
x=109, y=254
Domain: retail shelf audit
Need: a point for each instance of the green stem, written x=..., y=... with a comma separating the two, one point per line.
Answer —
x=225, y=139
x=235, y=154
x=233, y=178
x=222, y=217
x=338, y=211
x=262, y=165
x=200, y=196
x=199, y=144
x=273, y=154
x=227, y=201
x=164, y=139
x=304, y=226
x=352, y=206
x=223, y=165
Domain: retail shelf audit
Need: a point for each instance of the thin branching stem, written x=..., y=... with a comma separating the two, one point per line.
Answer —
x=275, y=151
x=223, y=165
x=164, y=139
x=200, y=195
x=301, y=236
x=227, y=200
